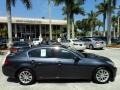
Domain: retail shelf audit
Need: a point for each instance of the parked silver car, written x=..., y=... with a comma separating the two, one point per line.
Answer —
x=94, y=43
x=74, y=44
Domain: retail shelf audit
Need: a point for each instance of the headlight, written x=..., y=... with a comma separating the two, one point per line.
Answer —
x=111, y=63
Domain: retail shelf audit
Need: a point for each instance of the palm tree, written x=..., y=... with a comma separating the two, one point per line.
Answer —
x=92, y=19
x=99, y=24
x=102, y=9
x=114, y=24
x=70, y=5
x=75, y=9
x=110, y=8
x=9, y=3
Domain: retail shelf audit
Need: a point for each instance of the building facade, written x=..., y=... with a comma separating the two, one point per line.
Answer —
x=33, y=28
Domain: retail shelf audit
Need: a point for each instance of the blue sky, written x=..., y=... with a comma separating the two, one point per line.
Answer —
x=40, y=9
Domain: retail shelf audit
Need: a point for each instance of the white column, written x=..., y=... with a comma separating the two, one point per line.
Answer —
x=15, y=27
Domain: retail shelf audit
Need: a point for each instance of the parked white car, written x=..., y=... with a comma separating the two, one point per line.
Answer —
x=36, y=42
x=74, y=44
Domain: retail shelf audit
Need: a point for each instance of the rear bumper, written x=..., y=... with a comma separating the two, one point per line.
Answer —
x=79, y=47
x=99, y=46
x=8, y=71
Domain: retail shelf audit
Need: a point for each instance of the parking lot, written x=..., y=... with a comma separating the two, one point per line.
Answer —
x=114, y=54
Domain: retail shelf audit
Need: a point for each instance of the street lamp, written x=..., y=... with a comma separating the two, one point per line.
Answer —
x=49, y=12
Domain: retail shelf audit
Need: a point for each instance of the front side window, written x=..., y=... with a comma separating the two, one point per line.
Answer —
x=62, y=53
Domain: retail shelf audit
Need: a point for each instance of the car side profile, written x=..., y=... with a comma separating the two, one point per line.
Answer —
x=94, y=43
x=57, y=62
x=74, y=44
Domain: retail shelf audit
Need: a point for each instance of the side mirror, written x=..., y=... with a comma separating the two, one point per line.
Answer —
x=76, y=59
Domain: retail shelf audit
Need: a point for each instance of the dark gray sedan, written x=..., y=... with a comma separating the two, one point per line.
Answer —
x=58, y=62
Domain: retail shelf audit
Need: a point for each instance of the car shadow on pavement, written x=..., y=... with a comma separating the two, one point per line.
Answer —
x=63, y=81
x=12, y=80
x=53, y=81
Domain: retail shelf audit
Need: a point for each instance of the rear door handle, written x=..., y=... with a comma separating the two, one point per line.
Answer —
x=59, y=63
x=33, y=61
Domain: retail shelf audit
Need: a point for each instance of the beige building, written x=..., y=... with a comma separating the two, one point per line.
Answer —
x=31, y=27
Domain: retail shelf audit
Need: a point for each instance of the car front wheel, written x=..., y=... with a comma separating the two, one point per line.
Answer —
x=102, y=76
x=26, y=77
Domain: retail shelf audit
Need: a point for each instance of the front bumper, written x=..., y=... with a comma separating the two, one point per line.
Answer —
x=114, y=71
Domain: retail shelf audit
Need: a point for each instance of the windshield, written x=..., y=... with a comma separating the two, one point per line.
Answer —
x=77, y=52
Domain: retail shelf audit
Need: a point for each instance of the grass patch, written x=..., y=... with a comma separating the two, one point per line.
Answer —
x=114, y=45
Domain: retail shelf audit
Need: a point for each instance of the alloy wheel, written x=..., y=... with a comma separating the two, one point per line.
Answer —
x=102, y=75
x=25, y=77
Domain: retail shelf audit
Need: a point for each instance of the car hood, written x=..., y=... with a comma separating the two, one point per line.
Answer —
x=95, y=57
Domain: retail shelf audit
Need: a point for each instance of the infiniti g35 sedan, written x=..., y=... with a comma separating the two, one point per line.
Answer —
x=58, y=62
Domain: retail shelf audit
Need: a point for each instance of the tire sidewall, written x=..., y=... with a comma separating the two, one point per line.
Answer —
x=94, y=75
x=91, y=47
x=33, y=76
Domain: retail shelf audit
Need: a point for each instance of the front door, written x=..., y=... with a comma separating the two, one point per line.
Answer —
x=68, y=68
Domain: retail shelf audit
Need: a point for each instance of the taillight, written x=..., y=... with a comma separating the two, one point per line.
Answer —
x=7, y=61
x=97, y=43
x=13, y=50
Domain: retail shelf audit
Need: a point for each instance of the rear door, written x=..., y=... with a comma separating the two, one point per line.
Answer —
x=44, y=64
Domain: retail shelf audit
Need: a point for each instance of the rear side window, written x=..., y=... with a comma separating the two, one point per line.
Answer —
x=40, y=53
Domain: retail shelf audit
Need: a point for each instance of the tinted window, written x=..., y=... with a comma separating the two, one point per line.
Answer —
x=76, y=40
x=42, y=53
x=34, y=53
x=86, y=39
x=21, y=44
x=62, y=53
x=95, y=39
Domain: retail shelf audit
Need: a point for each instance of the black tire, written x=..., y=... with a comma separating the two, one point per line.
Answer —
x=26, y=76
x=91, y=47
x=101, y=48
x=102, y=78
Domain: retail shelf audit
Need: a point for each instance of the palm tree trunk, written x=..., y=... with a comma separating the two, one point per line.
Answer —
x=8, y=9
x=91, y=33
x=72, y=25
x=118, y=27
x=68, y=20
x=114, y=31
x=104, y=17
x=109, y=23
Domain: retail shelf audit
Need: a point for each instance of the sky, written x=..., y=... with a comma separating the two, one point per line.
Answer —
x=40, y=9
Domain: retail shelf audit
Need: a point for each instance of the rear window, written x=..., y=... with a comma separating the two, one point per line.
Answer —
x=75, y=40
x=40, y=53
x=95, y=39
x=20, y=44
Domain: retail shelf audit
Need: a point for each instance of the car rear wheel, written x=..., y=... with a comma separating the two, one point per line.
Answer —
x=26, y=77
x=101, y=76
x=91, y=47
